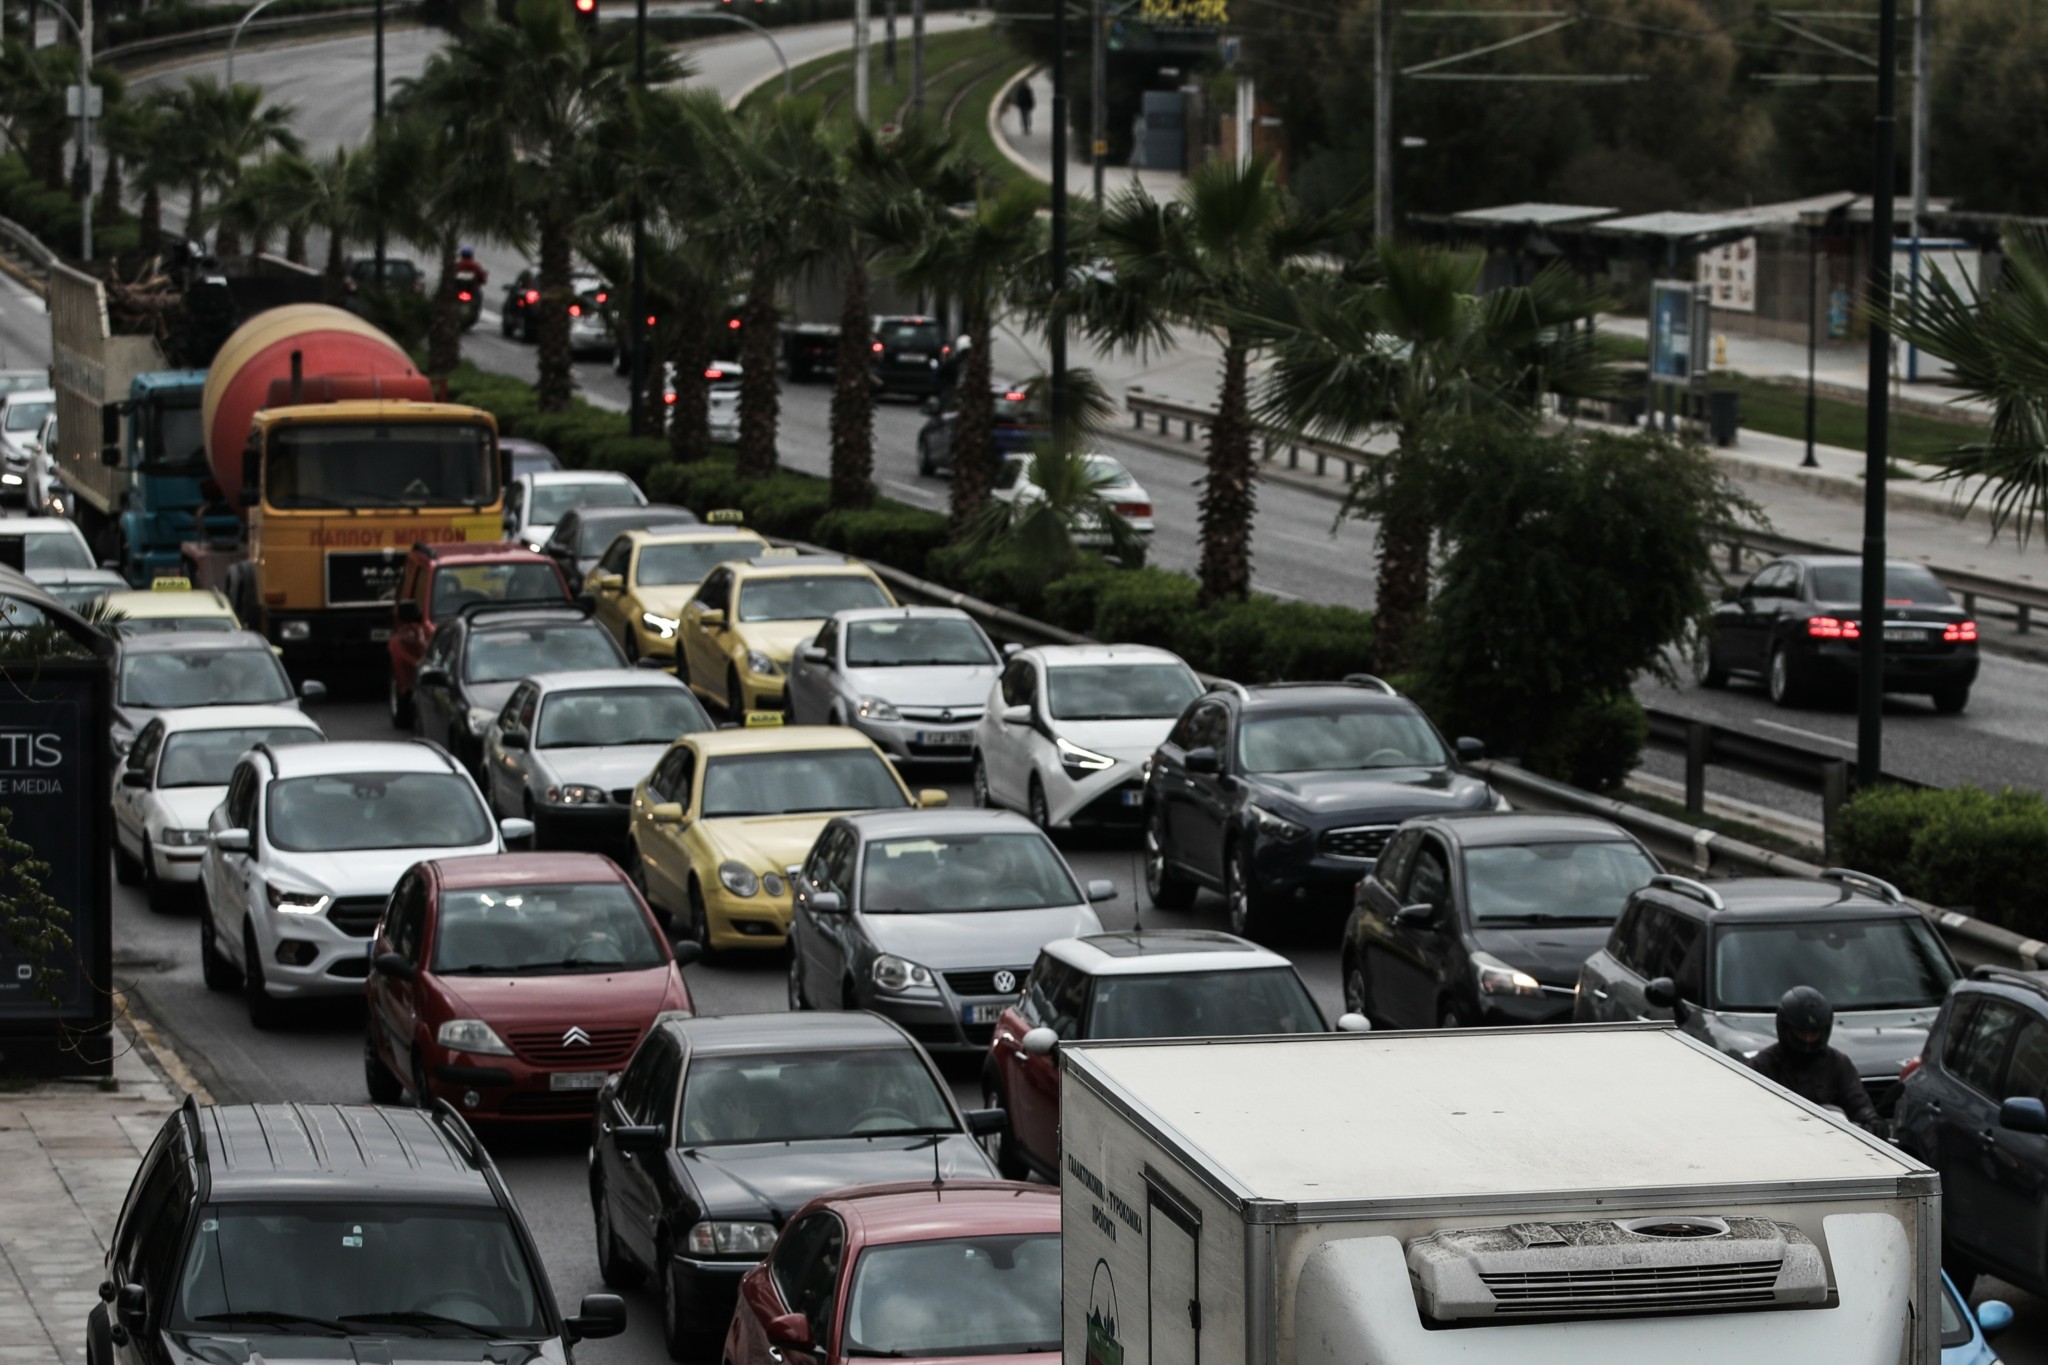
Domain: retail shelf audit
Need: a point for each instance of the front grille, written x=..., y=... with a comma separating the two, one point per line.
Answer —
x=984, y=983
x=1634, y=1288
x=364, y=580
x=351, y=968
x=356, y=915
x=957, y=715
x=1358, y=841
x=550, y=1103
x=608, y=1047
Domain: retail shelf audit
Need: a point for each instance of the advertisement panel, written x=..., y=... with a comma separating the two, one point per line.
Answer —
x=1675, y=333
x=1728, y=274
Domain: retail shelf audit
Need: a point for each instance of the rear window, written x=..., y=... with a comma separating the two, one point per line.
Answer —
x=502, y=655
x=1905, y=585
x=456, y=588
x=551, y=500
x=809, y=597
x=1203, y=1005
x=910, y=335
x=683, y=563
x=1858, y=964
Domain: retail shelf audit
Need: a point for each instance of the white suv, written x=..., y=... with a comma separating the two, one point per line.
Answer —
x=304, y=851
x=1069, y=727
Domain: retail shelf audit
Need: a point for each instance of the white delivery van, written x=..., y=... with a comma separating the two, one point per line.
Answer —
x=1535, y=1196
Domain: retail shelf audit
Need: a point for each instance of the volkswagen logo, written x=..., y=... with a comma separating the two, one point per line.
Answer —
x=1005, y=982
x=575, y=1037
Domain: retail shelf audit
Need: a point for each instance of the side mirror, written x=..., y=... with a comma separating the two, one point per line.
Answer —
x=1040, y=1042
x=640, y=1137
x=431, y=677
x=711, y=618
x=667, y=813
x=2023, y=1115
x=686, y=950
x=1731, y=593
x=811, y=654
x=409, y=613
x=1101, y=889
x=230, y=840
x=110, y=456
x=826, y=903
x=1204, y=760
x=790, y=1329
x=599, y=1315
x=394, y=966
x=1470, y=750
x=1418, y=916
x=1662, y=992
x=1011, y=648
x=135, y=777
x=1994, y=1316
x=514, y=739
x=986, y=1122
x=516, y=830
x=931, y=798
x=1353, y=1023
x=131, y=1306
x=1016, y=715
x=312, y=691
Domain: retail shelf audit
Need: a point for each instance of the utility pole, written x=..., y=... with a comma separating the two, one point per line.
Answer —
x=1056, y=331
x=1247, y=112
x=1923, y=103
x=889, y=43
x=860, y=60
x=377, y=133
x=81, y=165
x=636, y=324
x=916, y=57
x=1383, y=118
x=1098, y=100
x=1877, y=408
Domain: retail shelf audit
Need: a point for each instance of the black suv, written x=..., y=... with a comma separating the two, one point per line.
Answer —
x=1970, y=1105
x=910, y=356
x=1796, y=625
x=250, y=1230
x=1272, y=794
x=468, y=673
x=1486, y=919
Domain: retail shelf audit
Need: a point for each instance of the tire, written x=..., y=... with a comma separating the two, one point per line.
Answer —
x=161, y=895
x=735, y=695
x=1165, y=888
x=1248, y=915
x=631, y=643
x=614, y=1267
x=505, y=327
x=926, y=466
x=982, y=800
x=527, y=333
x=1038, y=811
x=1357, y=991
x=796, y=1001
x=127, y=867
x=1001, y=1147
x=1782, y=680
x=1951, y=700
x=700, y=922
x=214, y=967
x=384, y=1087
x=1714, y=676
x=849, y=996
x=676, y=1337
x=398, y=706
x=422, y=1098
x=265, y=1013
x=1450, y=1016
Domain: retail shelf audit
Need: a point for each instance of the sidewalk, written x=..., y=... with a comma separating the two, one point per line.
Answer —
x=1033, y=151
x=70, y=1148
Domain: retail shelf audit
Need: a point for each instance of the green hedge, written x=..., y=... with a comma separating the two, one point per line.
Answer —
x=1963, y=847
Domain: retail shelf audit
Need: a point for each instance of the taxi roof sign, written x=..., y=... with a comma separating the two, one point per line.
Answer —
x=724, y=516
x=762, y=720
x=780, y=552
x=170, y=583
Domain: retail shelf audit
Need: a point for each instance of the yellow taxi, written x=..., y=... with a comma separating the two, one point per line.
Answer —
x=738, y=633
x=726, y=816
x=169, y=604
x=644, y=578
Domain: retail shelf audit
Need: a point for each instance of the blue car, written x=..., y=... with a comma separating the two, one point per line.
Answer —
x=1966, y=1336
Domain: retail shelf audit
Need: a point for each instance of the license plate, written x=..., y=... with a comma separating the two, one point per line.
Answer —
x=1904, y=637
x=909, y=357
x=577, y=1080
x=1134, y=798
x=983, y=1014
x=944, y=739
x=380, y=634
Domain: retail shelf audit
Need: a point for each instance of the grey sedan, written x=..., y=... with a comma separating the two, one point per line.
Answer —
x=567, y=749
x=913, y=679
x=931, y=918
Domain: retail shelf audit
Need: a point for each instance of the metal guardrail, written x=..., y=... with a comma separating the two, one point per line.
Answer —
x=1272, y=440
x=27, y=243
x=202, y=37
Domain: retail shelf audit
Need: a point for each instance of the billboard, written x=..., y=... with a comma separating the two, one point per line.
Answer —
x=1728, y=274
x=1677, y=331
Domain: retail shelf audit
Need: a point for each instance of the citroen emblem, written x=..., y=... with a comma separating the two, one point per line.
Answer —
x=1005, y=982
x=575, y=1037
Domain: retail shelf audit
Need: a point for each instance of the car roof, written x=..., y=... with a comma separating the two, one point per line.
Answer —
x=693, y=535
x=772, y=567
x=38, y=526
x=339, y=1151
x=1490, y=829
x=76, y=578
x=899, y=613
x=605, y=680
x=360, y=756
x=1054, y=656
x=1844, y=562
x=234, y=718
x=1764, y=898
x=810, y=1030
x=896, y=824
x=662, y=512
x=1316, y=696
x=138, y=603
x=525, y=617
x=921, y=1211
x=542, y=477
x=9, y=397
x=193, y=642
x=774, y=739
x=2035, y=983
x=1149, y=952
x=522, y=869
x=491, y=551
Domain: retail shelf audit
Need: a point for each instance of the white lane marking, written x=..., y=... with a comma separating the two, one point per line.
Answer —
x=1809, y=734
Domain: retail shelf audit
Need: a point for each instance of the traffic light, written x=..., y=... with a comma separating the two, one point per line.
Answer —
x=586, y=16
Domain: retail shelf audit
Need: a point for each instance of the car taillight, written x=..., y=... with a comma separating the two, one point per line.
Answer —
x=1908, y=1067
x=533, y=296
x=575, y=310
x=1960, y=631
x=1832, y=628
x=1132, y=509
x=1013, y=397
x=463, y=296
x=877, y=348
x=733, y=326
x=714, y=374
x=602, y=297
x=669, y=397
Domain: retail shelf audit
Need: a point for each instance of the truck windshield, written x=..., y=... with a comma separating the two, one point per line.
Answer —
x=180, y=444
x=380, y=465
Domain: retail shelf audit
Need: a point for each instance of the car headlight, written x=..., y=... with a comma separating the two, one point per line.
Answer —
x=738, y=878
x=471, y=1035
x=1498, y=978
x=1074, y=756
x=288, y=900
x=874, y=708
x=181, y=838
x=576, y=794
x=893, y=973
x=480, y=720
x=757, y=662
x=664, y=626
x=533, y=545
x=732, y=1239
x=673, y=1016
x=773, y=885
x=1275, y=826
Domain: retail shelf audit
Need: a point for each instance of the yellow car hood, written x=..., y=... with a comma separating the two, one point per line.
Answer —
x=777, y=639
x=668, y=600
x=765, y=843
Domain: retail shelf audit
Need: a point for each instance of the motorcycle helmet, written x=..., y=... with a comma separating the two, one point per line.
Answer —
x=466, y=254
x=1805, y=1021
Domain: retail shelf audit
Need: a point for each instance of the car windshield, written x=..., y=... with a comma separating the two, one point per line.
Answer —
x=1336, y=741
x=686, y=562
x=643, y=715
x=166, y=625
x=550, y=500
x=798, y=782
x=594, y=533
x=1120, y=691
x=796, y=1097
x=14, y=381
x=338, y=812
x=26, y=416
x=808, y=597
x=955, y=872
x=457, y=588
x=79, y=595
x=1858, y=964
x=407, y=1270
x=968, y=1296
x=501, y=654
x=54, y=550
x=205, y=677
x=1905, y=585
x=913, y=640
x=512, y=930
x=206, y=758
x=1203, y=1005
x=1539, y=883
x=377, y=465
x=910, y=335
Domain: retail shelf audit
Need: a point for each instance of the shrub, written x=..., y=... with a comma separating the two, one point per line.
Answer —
x=1071, y=601
x=1150, y=606
x=575, y=434
x=785, y=504
x=633, y=456
x=1262, y=639
x=1962, y=847
x=1594, y=745
x=903, y=536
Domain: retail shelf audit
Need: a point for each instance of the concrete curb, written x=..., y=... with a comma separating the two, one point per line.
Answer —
x=1898, y=494
x=161, y=1052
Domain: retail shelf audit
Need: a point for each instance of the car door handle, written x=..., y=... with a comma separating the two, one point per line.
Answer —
x=1599, y=994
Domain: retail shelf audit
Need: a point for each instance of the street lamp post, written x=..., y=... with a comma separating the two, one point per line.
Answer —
x=636, y=401
x=1812, y=332
x=1056, y=330
x=236, y=37
x=82, y=162
x=1877, y=414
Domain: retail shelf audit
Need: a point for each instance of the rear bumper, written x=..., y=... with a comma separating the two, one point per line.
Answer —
x=506, y=1089
x=599, y=829
x=1841, y=662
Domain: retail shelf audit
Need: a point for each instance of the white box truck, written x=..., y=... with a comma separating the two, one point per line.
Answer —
x=1535, y=1196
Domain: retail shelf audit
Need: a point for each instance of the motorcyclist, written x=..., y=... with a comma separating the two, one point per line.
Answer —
x=469, y=270
x=1804, y=1064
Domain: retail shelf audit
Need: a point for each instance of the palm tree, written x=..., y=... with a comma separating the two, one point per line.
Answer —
x=32, y=119
x=1996, y=342
x=976, y=257
x=1410, y=352
x=1193, y=262
x=216, y=129
x=434, y=196
x=1066, y=504
x=136, y=134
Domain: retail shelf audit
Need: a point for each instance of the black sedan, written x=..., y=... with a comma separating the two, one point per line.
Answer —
x=1020, y=422
x=1797, y=626
x=476, y=661
x=1281, y=794
x=694, y=1170
x=1485, y=919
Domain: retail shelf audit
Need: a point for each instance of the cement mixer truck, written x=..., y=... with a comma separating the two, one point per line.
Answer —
x=333, y=451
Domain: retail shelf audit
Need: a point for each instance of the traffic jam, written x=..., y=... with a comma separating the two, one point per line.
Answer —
x=1576, y=1105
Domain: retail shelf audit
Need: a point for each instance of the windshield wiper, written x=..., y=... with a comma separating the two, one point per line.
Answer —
x=905, y=1132
x=275, y=1317
x=413, y=1317
x=513, y=969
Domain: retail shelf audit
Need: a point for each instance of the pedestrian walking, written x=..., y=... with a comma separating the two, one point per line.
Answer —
x=1025, y=101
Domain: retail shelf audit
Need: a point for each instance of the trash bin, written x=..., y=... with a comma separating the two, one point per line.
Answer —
x=1724, y=415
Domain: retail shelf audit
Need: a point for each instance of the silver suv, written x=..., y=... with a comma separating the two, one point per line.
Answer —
x=304, y=851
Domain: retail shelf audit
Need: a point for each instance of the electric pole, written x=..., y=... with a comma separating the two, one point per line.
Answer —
x=860, y=60
x=1877, y=409
x=1056, y=331
x=1383, y=119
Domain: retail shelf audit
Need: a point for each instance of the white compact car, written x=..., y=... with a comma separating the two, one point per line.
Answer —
x=536, y=501
x=725, y=413
x=1069, y=728
x=304, y=851
x=176, y=773
x=1124, y=494
x=912, y=679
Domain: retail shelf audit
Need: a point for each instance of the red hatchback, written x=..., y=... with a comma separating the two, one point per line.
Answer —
x=514, y=986
x=438, y=581
x=968, y=1269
